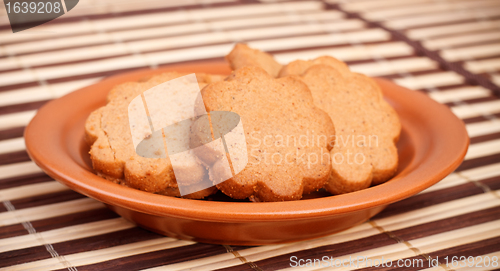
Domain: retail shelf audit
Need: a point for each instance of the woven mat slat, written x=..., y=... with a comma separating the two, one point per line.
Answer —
x=45, y=226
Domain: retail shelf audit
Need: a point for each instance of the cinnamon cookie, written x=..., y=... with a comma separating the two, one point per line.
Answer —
x=367, y=127
x=242, y=56
x=288, y=138
x=112, y=152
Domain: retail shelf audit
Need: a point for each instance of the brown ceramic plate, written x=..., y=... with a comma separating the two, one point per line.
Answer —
x=433, y=143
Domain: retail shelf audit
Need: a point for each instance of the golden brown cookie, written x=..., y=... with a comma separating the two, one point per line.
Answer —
x=242, y=56
x=287, y=137
x=113, y=157
x=299, y=66
x=367, y=127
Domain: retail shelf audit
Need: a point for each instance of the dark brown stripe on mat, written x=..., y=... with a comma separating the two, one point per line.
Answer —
x=14, y=157
x=474, y=101
x=451, y=87
x=413, y=73
x=73, y=219
x=237, y=248
x=331, y=46
x=115, y=72
x=12, y=230
x=493, y=183
x=481, y=118
x=86, y=244
x=431, y=198
x=489, y=98
x=471, y=42
x=70, y=78
x=80, y=61
x=2, y=209
x=241, y=267
x=58, y=222
x=20, y=256
x=11, y=133
x=371, y=60
x=221, y=59
x=107, y=240
x=496, y=55
x=449, y=224
x=474, y=119
x=483, y=138
x=334, y=251
x=25, y=179
x=18, y=86
x=45, y=199
x=480, y=161
x=156, y=258
x=92, y=75
x=465, y=20
x=21, y=107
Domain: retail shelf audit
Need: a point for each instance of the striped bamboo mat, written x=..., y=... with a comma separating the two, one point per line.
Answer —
x=449, y=49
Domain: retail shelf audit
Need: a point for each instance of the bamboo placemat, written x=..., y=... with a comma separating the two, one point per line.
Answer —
x=449, y=49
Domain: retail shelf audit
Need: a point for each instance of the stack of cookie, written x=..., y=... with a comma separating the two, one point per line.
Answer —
x=309, y=125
